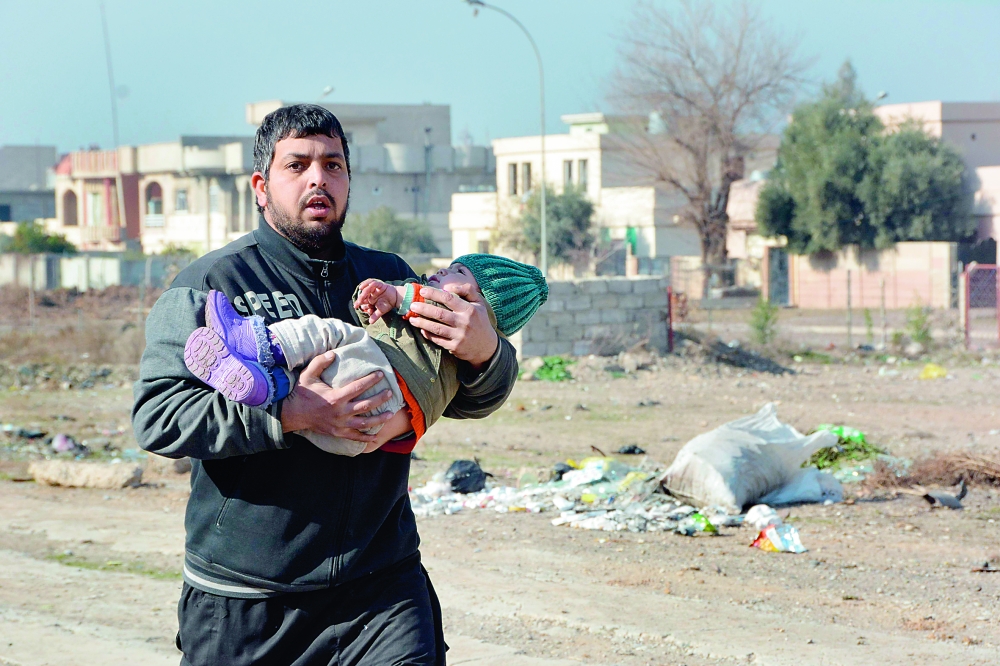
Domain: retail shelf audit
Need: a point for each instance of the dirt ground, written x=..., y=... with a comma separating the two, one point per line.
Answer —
x=92, y=576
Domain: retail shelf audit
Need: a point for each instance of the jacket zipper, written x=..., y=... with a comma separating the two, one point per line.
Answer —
x=325, y=285
x=338, y=558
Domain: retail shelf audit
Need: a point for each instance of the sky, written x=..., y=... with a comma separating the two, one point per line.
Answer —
x=190, y=66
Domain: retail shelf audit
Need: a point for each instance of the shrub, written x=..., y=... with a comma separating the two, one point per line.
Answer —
x=554, y=369
x=764, y=322
x=918, y=323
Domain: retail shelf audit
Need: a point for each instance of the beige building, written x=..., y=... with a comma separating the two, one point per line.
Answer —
x=192, y=193
x=195, y=192
x=629, y=209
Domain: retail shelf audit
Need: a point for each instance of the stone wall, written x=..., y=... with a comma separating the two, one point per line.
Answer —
x=597, y=316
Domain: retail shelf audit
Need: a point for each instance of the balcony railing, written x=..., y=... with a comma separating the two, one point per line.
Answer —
x=100, y=234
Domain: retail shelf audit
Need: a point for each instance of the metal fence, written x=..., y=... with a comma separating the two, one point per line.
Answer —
x=980, y=316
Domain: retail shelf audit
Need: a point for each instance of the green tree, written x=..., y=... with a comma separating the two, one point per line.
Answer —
x=568, y=226
x=381, y=229
x=813, y=196
x=842, y=179
x=916, y=190
x=31, y=238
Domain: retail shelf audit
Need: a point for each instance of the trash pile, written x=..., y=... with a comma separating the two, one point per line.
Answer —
x=31, y=442
x=600, y=494
x=595, y=493
x=736, y=465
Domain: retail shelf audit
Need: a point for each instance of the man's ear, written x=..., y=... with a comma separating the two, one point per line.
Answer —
x=259, y=186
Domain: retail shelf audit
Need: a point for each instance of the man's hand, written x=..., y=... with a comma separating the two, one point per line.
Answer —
x=463, y=329
x=314, y=405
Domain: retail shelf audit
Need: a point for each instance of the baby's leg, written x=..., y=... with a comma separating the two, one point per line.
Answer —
x=357, y=356
x=300, y=340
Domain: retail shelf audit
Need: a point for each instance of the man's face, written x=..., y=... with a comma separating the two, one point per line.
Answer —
x=305, y=195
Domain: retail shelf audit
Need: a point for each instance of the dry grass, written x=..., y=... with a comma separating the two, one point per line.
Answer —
x=96, y=326
x=938, y=469
x=70, y=305
x=949, y=469
x=96, y=342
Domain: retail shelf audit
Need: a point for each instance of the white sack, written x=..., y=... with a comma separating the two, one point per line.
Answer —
x=809, y=485
x=742, y=461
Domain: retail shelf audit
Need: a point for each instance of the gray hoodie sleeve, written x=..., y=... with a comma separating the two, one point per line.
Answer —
x=174, y=414
x=481, y=395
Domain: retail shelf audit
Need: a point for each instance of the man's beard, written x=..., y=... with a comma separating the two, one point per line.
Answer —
x=294, y=229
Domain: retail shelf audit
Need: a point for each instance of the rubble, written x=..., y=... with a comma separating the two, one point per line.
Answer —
x=733, y=354
x=73, y=474
x=49, y=376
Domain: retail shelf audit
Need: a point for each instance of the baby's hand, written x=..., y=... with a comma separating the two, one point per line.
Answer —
x=376, y=299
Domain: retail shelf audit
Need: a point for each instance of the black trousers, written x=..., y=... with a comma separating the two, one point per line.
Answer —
x=389, y=618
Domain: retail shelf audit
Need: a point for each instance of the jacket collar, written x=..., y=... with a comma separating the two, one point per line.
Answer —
x=284, y=252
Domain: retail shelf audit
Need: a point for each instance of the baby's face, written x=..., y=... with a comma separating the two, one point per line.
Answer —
x=456, y=274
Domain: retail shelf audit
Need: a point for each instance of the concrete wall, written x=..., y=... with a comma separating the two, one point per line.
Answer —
x=597, y=316
x=913, y=272
x=28, y=205
x=86, y=271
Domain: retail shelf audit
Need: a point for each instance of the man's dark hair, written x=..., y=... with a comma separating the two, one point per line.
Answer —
x=295, y=122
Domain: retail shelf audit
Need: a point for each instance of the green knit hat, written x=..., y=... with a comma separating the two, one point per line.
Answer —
x=514, y=290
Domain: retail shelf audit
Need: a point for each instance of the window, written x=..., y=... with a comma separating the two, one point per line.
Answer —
x=581, y=173
x=567, y=173
x=483, y=247
x=5, y=213
x=181, y=201
x=69, y=209
x=95, y=209
x=512, y=179
x=526, y=177
x=154, y=199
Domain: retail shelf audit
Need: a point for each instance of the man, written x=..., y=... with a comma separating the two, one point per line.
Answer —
x=294, y=555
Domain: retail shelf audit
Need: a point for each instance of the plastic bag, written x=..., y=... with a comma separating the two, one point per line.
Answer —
x=596, y=469
x=846, y=433
x=779, y=539
x=694, y=523
x=761, y=516
x=808, y=485
x=466, y=476
x=933, y=371
x=740, y=462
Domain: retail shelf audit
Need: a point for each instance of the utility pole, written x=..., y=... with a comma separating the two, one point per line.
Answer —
x=427, y=175
x=114, y=121
x=476, y=4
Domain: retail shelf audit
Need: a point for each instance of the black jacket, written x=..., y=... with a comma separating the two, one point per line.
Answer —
x=270, y=513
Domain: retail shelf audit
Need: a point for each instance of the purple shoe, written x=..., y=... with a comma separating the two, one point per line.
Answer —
x=211, y=360
x=246, y=337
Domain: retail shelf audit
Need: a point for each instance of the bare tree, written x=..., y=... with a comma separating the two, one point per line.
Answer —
x=713, y=82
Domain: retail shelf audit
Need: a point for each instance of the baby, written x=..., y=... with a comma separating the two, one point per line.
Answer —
x=247, y=361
